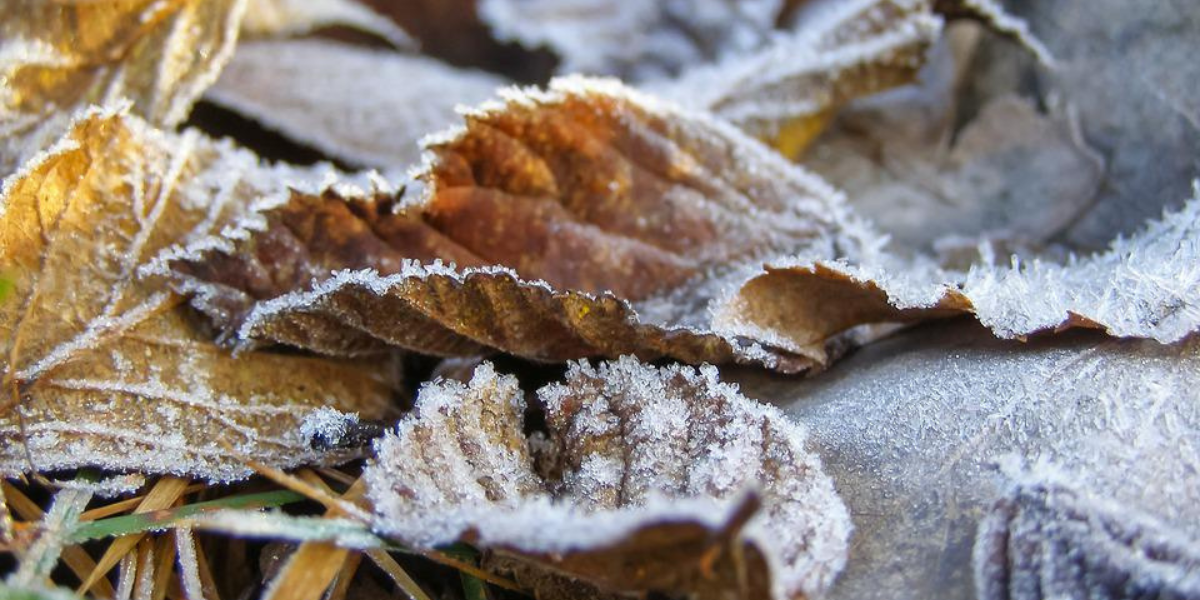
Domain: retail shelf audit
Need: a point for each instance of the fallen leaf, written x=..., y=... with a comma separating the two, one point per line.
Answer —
x=786, y=90
x=101, y=366
x=408, y=97
x=1045, y=540
x=912, y=430
x=646, y=480
x=638, y=42
x=1010, y=172
x=281, y=18
x=588, y=220
x=1147, y=286
x=56, y=58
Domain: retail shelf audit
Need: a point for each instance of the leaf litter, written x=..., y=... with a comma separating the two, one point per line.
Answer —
x=595, y=220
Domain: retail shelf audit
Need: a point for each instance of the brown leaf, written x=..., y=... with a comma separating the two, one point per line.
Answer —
x=101, y=366
x=662, y=480
x=58, y=57
x=591, y=221
x=363, y=92
x=1146, y=286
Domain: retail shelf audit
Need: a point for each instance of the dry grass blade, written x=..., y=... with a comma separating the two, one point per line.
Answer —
x=128, y=504
x=312, y=568
x=76, y=558
x=398, y=574
x=164, y=494
x=345, y=576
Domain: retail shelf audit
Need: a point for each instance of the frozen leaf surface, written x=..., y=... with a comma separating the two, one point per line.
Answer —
x=584, y=221
x=100, y=365
x=787, y=89
x=634, y=40
x=1010, y=172
x=911, y=429
x=1147, y=286
x=1046, y=540
x=278, y=18
x=371, y=108
x=645, y=479
x=58, y=57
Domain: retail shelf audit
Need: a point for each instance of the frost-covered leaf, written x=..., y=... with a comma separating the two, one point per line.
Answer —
x=371, y=107
x=645, y=479
x=57, y=57
x=634, y=40
x=835, y=52
x=100, y=365
x=1010, y=172
x=1147, y=286
x=910, y=428
x=588, y=220
x=280, y=18
x=1045, y=540
x=1128, y=68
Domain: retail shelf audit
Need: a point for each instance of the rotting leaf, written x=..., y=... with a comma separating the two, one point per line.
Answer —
x=588, y=220
x=1147, y=286
x=1045, y=540
x=647, y=479
x=101, y=366
x=377, y=125
x=58, y=57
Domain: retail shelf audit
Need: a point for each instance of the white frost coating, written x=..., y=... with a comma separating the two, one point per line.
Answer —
x=639, y=40
x=1044, y=539
x=328, y=426
x=189, y=565
x=297, y=17
x=109, y=487
x=370, y=108
x=637, y=445
x=910, y=428
x=1146, y=286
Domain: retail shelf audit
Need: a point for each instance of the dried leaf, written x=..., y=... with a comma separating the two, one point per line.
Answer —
x=1011, y=172
x=377, y=125
x=266, y=18
x=101, y=366
x=1046, y=540
x=835, y=52
x=58, y=57
x=646, y=480
x=912, y=428
x=566, y=211
x=636, y=41
x=1147, y=286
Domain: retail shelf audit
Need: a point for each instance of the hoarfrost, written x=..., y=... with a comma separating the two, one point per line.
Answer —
x=298, y=17
x=630, y=448
x=912, y=428
x=371, y=108
x=1044, y=540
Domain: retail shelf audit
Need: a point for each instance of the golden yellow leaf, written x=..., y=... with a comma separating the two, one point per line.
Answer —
x=58, y=57
x=101, y=366
x=644, y=480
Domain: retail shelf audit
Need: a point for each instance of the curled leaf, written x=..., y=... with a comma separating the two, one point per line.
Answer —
x=1045, y=540
x=584, y=221
x=639, y=484
x=58, y=57
x=101, y=366
x=377, y=125
x=1147, y=286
